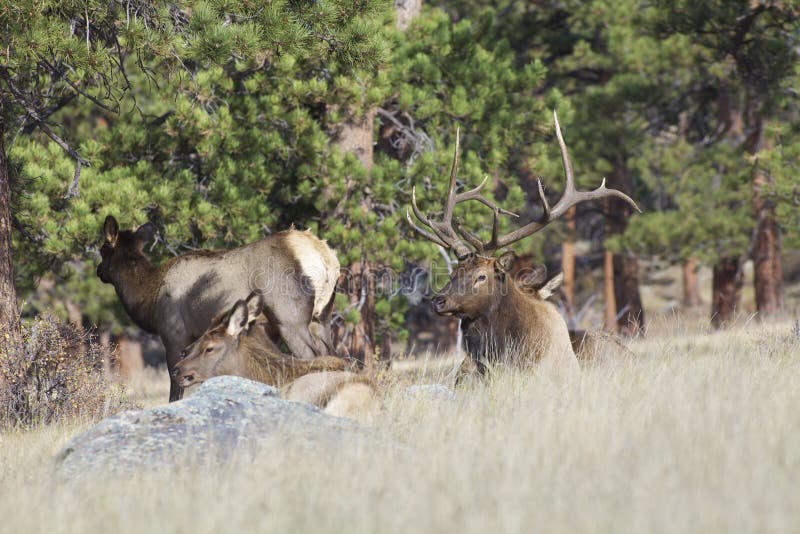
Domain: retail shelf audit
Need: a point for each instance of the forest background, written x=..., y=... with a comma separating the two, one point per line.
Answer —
x=224, y=121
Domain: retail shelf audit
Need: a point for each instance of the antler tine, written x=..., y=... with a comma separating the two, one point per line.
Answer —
x=451, y=192
x=570, y=198
x=427, y=235
x=543, y=198
x=469, y=237
x=492, y=244
x=569, y=187
x=442, y=233
x=475, y=194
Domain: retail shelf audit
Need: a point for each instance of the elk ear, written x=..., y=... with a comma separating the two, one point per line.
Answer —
x=111, y=230
x=237, y=319
x=533, y=277
x=254, y=306
x=144, y=234
x=551, y=286
x=504, y=262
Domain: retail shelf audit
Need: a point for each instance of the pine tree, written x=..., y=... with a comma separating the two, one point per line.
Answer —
x=232, y=136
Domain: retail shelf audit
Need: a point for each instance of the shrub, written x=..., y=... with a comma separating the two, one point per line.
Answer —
x=52, y=372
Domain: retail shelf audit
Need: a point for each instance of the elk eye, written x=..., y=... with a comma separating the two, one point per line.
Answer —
x=209, y=349
x=481, y=278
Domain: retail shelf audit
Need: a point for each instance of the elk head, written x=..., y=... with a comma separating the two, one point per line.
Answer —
x=122, y=248
x=474, y=286
x=216, y=351
x=481, y=279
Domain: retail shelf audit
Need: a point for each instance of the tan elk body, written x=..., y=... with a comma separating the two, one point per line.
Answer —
x=501, y=317
x=295, y=272
x=236, y=344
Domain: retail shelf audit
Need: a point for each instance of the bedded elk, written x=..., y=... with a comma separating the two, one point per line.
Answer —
x=497, y=314
x=236, y=344
x=295, y=271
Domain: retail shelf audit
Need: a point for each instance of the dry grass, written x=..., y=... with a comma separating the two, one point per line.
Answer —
x=700, y=433
x=52, y=372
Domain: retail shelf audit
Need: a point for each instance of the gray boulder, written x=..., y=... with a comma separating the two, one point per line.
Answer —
x=227, y=417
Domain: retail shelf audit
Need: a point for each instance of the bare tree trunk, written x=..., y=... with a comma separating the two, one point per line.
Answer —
x=630, y=317
x=727, y=288
x=406, y=11
x=610, y=311
x=626, y=291
x=358, y=284
x=691, y=288
x=9, y=312
x=354, y=135
x=768, y=272
x=568, y=265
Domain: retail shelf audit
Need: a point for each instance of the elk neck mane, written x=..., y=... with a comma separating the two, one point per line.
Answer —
x=511, y=297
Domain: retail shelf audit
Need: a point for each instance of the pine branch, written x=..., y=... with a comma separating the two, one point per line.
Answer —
x=33, y=114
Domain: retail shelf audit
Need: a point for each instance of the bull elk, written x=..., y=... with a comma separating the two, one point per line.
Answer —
x=497, y=313
x=236, y=344
x=295, y=271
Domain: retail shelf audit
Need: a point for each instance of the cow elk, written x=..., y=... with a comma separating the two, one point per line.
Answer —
x=294, y=271
x=237, y=344
x=500, y=316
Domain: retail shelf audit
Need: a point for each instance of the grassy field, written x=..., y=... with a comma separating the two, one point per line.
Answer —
x=700, y=433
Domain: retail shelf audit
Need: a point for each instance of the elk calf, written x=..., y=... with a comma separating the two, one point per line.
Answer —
x=236, y=344
x=295, y=272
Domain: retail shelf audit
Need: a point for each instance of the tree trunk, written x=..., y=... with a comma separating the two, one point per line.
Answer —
x=726, y=288
x=9, y=312
x=568, y=267
x=626, y=291
x=630, y=318
x=354, y=135
x=766, y=250
x=406, y=11
x=358, y=284
x=610, y=311
x=691, y=288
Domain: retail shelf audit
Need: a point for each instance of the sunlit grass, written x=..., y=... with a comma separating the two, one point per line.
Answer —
x=700, y=432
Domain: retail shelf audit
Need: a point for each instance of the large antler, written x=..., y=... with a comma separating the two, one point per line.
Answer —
x=443, y=232
x=570, y=198
x=445, y=235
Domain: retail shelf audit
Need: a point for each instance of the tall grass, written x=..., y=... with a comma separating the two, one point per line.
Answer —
x=699, y=433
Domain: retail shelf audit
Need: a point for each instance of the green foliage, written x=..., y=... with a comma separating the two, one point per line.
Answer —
x=217, y=121
x=229, y=136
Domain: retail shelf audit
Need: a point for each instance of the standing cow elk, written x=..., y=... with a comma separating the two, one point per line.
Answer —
x=295, y=271
x=236, y=344
x=498, y=315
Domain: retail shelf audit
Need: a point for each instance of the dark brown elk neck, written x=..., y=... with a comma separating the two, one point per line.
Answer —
x=137, y=285
x=259, y=362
